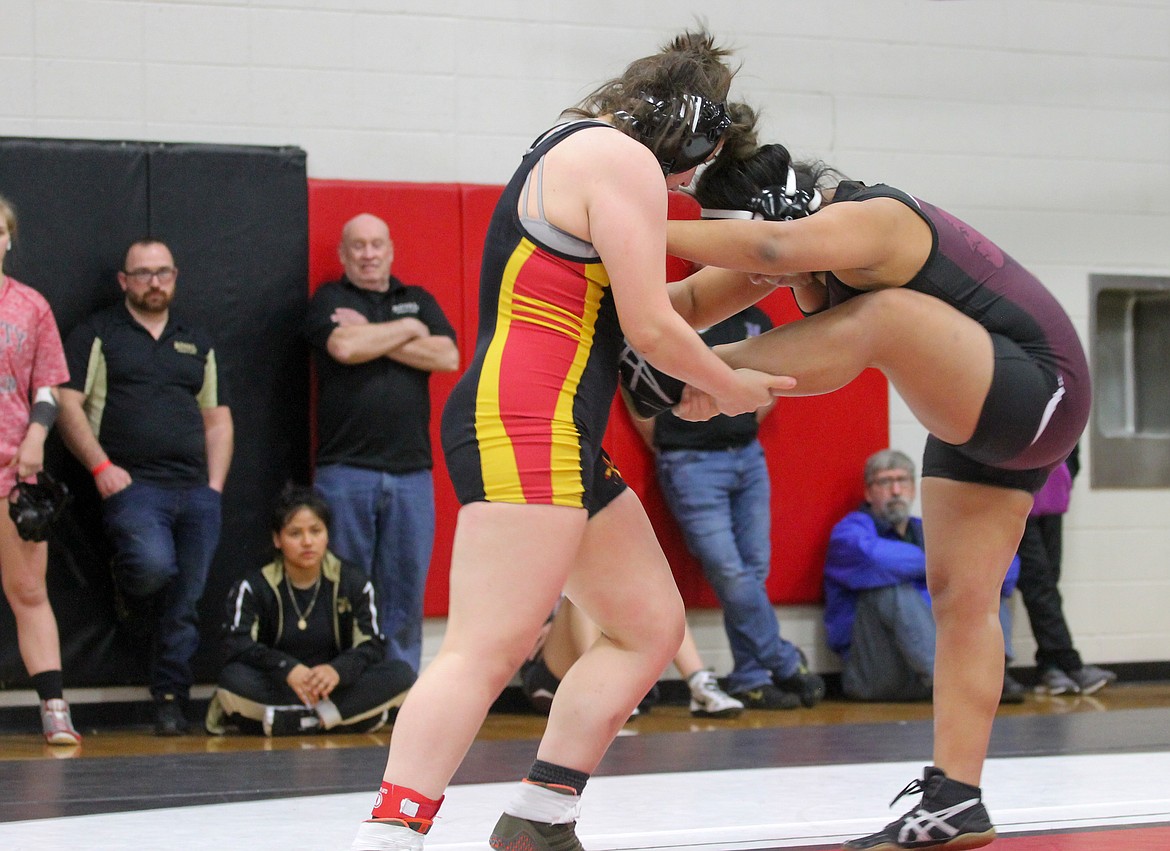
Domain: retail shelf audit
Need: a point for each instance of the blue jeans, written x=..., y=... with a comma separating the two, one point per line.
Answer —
x=164, y=540
x=722, y=502
x=891, y=655
x=385, y=524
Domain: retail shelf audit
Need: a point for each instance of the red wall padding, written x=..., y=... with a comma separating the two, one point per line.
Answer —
x=816, y=446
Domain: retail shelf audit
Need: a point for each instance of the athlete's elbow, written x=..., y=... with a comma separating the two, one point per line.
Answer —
x=769, y=256
x=645, y=338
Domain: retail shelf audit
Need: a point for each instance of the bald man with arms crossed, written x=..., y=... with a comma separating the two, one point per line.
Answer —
x=376, y=342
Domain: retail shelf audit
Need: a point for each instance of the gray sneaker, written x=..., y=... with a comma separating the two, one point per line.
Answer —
x=1054, y=681
x=57, y=723
x=513, y=833
x=1090, y=678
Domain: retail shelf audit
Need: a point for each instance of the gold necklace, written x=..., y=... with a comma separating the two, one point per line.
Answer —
x=302, y=617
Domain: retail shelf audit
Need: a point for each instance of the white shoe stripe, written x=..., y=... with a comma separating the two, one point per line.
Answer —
x=918, y=825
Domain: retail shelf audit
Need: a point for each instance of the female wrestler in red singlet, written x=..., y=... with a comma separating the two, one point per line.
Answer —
x=575, y=247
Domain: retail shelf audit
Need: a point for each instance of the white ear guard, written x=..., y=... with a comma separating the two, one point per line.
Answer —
x=707, y=213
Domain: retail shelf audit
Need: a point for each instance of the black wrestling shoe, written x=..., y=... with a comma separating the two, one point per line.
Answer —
x=767, y=696
x=513, y=833
x=651, y=391
x=807, y=686
x=951, y=815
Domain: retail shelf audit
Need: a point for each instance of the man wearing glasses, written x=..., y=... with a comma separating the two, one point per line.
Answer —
x=146, y=413
x=877, y=607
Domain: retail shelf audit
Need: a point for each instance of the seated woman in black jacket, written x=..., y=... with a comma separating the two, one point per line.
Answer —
x=302, y=651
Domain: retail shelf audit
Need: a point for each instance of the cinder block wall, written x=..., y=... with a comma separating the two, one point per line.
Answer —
x=1045, y=123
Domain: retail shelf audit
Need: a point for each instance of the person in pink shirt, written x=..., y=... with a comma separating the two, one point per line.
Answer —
x=32, y=364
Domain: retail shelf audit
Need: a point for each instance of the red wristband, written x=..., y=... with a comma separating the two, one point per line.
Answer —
x=96, y=471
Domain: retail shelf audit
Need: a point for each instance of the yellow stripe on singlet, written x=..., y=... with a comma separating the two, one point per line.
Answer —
x=566, y=441
x=547, y=315
x=501, y=478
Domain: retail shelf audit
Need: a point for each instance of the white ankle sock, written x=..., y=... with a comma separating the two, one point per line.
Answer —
x=374, y=836
x=539, y=803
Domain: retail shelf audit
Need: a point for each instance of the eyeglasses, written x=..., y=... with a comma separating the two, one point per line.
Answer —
x=886, y=482
x=143, y=276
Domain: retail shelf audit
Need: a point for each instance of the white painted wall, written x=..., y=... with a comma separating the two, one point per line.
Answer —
x=1045, y=123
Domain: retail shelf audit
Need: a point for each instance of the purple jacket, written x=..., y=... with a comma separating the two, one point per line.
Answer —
x=1053, y=497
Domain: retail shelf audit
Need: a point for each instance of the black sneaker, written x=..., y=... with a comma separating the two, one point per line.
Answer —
x=169, y=719
x=951, y=815
x=513, y=833
x=807, y=686
x=1013, y=691
x=290, y=721
x=767, y=696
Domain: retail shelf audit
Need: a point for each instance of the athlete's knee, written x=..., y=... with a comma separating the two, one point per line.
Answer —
x=666, y=629
x=655, y=627
x=881, y=314
x=965, y=601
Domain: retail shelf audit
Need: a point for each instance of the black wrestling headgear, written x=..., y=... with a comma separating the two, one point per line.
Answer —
x=682, y=132
x=34, y=507
x=775, y=203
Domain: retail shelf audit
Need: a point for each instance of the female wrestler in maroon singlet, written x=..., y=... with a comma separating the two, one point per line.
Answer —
x=983, y=355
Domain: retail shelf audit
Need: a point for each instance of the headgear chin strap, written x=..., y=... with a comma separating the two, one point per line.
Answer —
x=690, y=126
x=775, y=203
x=34, y=507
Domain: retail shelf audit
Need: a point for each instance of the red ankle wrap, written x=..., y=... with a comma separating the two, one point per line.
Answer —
x=401, y=805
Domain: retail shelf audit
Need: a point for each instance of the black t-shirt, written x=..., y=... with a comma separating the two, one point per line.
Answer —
x=145, y=397
x=721, y=431
x=376, y=414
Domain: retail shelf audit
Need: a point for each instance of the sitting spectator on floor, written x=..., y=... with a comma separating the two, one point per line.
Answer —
x=877, y=607
x=569, y=632
x=1060, y=669
x=301, y=651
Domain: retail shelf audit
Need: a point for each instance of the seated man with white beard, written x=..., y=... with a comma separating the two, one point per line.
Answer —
x=877, y=607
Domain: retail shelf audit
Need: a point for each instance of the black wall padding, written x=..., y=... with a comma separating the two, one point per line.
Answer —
x=236, y=219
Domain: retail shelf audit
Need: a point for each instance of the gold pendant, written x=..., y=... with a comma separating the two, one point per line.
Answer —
x=302, y=625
